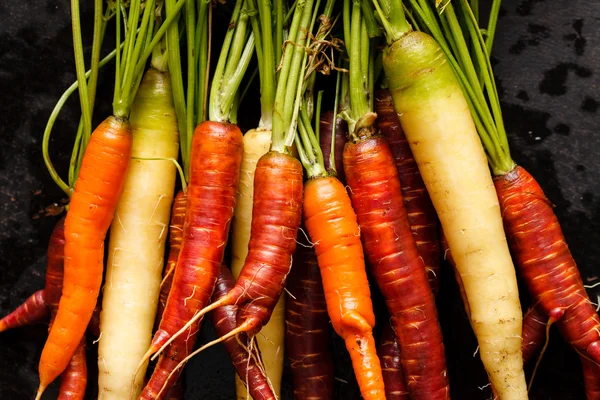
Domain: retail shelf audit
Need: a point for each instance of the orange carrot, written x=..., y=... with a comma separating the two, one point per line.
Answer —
x=332, y=227
x=391, y=366
x=91, y=209
x=215, y=163
x=421, y=214
x=308, y=333
x=545, y=262
x=395, y=263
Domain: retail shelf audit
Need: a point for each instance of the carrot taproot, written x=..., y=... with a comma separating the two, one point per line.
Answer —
x=436, y=120
x=175, y=239
x=308, y=332
x=32, y=311
x=534, y=331
x=91, y=209
x=333, y=228
x=137, y=239
x=325, y=139
x=591, y=378
x=271, y=337
x=247, y=362
x=73, y=381
x=395, y=262
x=215, y=164
x=421, y=214
x=545, y=262
x=391, y=365
x=40, y=304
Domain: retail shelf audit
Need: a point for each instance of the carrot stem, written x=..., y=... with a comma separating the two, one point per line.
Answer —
x=80, y=68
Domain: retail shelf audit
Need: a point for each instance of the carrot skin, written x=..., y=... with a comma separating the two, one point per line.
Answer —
x=396, y=265
x=391, y=365
x=308, y=333
x=73, y=380
x=276, y=217
x=421, y=214
x=91, y=210
x=544, y=260
x=534, y=332
x=175, y=239
x=224, y=321
x=216, y=157
x=591, y=378
x=332, y=227
x=31, y=311
x=341, y=132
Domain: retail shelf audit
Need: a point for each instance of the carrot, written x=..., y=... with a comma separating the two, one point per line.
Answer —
x=271, y=337
x=545, y=262
x=32, y=311
x=90, y=213
x=175, y=239
x=391, y=366
x=333, y=229
x=435, y=117
x=421, y=214
x=247, y=362
x=395, y=262
x=137, y=239
x=40, y=304
x=216, y=158
x=534, y=331
x=308, y=333
x=341, y=130
x=591, y=378
x=73, y=380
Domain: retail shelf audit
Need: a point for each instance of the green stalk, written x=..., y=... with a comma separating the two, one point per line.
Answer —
x=267, y=81
x=52, y=120
x=234, y=82
x=215, y=92
x=288, y=81
x=338, y=80
x=203, y=44
x=190, y=25
x=279, y=20
x=369, y=18
x=80, y=69
x=358, y=100
x=492, y=22
x=318, y=115
x=174, y=56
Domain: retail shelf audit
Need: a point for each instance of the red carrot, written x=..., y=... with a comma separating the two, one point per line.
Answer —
x=90, y=213
x=591, y=378
x=246, y=362
x=341, y=130
x=534, y=332
x=421, y=214
x=32, y=311
x=308, y=332
x=276, y=215
x=215, y=163
x=545, y=262
x=391, y=365
x=396, y=264
x=333, y=229
x=73, y=380
x=175, y=239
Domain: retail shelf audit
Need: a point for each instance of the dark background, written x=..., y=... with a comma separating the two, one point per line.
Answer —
x=546, y=57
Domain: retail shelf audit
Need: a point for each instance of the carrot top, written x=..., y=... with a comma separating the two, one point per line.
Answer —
x=457, y=30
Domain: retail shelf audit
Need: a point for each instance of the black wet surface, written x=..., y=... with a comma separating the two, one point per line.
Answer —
x=546, y=57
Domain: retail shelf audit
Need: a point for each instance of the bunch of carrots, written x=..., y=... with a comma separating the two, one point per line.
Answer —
x=282, y=235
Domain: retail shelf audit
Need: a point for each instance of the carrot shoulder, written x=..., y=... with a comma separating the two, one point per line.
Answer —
x=91, y=210
x=396, y=265
x=333, y=229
